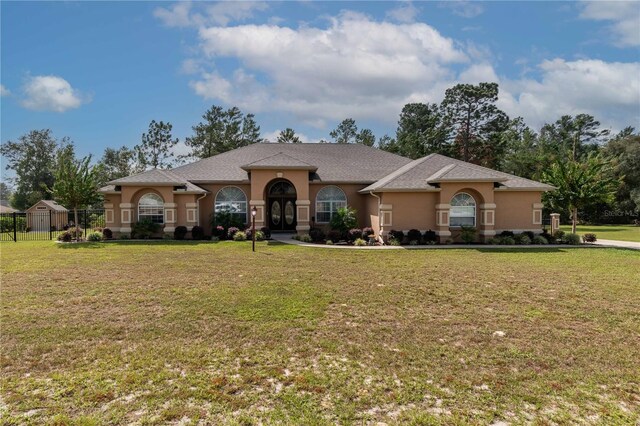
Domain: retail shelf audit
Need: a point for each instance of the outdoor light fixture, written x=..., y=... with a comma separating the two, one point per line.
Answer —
x=254, y=211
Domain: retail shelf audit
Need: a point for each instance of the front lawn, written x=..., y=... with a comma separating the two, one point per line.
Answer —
x=168, y=332
x=608, y=232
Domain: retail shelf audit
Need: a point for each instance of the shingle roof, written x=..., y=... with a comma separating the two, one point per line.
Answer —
x=155, y=176
x=7, y=209
x=280, y=160
x=334, y=162
x=53, y=205
x=423, y=173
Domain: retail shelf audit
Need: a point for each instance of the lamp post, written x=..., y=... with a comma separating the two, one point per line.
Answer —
x=254, y=211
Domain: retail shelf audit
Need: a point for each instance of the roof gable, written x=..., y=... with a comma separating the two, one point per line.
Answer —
x=153, y=176
x=279, y=161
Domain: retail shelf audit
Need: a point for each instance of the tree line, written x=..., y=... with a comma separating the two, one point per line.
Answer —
x=568, y=153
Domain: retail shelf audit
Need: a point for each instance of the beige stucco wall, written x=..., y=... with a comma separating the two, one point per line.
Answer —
x=514, y=210
x=411, y=210
x=354, y=200
x=207, y=203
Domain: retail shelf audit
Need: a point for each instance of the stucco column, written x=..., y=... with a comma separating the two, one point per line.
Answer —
x=170, y=213
x=537, y=214
x=442, y=221
x=385, y=219
x=126, y=216
x=487, y=221
x=555, y=222
x=302, y=213
x=260, y=206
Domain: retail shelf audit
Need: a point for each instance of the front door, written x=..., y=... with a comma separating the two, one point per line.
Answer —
x=282, y=207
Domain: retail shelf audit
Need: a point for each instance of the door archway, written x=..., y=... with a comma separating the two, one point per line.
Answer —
x=281, y=206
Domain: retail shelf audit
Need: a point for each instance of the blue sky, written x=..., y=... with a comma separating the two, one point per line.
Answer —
x=98, y=72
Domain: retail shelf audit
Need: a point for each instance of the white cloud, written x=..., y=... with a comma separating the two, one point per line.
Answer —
x=405, y=13
x=465, y=9
x=4, y=91
x=50, y=93
x=625, y=18
x=354, y=67
x=610, y=91
x=185, y=14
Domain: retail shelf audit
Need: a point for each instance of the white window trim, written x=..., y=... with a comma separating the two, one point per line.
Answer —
x=161, y=207
x=331, y=212
x=475, y=210
x=246, y=201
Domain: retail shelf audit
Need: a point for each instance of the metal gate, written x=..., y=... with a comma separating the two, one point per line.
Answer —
x=43, y=226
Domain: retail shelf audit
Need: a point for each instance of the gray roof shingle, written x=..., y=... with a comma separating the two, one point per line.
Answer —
x=155, y=176
x=280, y=160
x=423, y=173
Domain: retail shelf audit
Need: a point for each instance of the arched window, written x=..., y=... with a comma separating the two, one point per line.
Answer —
x=232, y=200
x=463, y=210
x=328, y=201
x=151, y=207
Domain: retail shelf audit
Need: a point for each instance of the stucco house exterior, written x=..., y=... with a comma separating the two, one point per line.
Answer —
x=298, y=186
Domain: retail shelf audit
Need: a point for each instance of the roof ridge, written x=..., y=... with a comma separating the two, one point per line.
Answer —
x=401, y=171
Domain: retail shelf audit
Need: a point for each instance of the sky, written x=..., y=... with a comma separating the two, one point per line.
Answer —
x=99, y=72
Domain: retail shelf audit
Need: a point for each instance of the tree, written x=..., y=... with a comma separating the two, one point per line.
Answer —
x=32, y=158
x=155, y=147
x=624, y=151
x=366, y=137
x=288, y=135
x=421, y=131
x=574, y=137
x=118, y=163
x=5, y=191
x=579, y=185
x=524, y=154
x=475, y=122
x=346, y=131
x=221, y=131
x=76, y=182
x=387, y=143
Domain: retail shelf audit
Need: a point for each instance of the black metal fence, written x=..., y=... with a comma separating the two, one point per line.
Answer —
x=46, y=225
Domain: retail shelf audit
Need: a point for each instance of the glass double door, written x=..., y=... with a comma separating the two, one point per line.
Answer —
x=282, y=213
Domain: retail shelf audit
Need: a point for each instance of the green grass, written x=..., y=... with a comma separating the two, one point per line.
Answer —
x=609, y=232
x=157, y=333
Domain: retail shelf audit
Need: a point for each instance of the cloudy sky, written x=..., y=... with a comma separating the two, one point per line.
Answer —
x=99, y=72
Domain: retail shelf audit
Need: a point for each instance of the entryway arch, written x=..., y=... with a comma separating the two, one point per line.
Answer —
x=281, y=205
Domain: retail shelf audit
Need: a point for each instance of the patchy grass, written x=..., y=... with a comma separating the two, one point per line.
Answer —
x=166, y=332
x=609, y=232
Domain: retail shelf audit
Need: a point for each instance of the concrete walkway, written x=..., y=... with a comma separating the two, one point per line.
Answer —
x=288, y=239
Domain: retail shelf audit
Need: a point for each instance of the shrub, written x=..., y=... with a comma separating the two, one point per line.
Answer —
x=414, y=235
x=394, y=242
x=197, y=233
x=547, y=236
x=305, y=238
x=494, y=241
x=215, y=239
x=396, y=235
x=507, y=241
x=167, y=236
x=468, y=234
x=359, y=242
x=522, y=239
x=65, y=237
x=266, y=232
x=217, y=231
x=334, y=236
x=354, y=234
x=259, y=236
x=413, y=242
x=316, y=234
x=344, y=219
x=226, y=220
x=144, y=229
x=123, y=237
x=529, y=234
x=367, y=231
x=589, y=238
x=6, y=223
x=571, y=239
x=430, y=236
x=329, y=242
x=507, y=234
x=539, y=240
x=558, y=235
x=94, y=236
x=231, y=232
x=239, y=236
x=107, y=233
x=180, y=232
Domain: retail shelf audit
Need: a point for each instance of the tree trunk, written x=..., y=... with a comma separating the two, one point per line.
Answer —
x=75, y=220
x=574, y=219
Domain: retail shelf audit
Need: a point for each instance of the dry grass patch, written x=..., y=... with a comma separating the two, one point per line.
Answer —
x=199, y=332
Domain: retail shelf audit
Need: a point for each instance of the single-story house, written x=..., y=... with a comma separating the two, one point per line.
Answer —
x=6, y=208
x=46, y=215
x=298, y=186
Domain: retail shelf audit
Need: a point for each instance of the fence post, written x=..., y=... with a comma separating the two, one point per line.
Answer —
x=85, y=224
x=15, y=225
x=50, y=225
